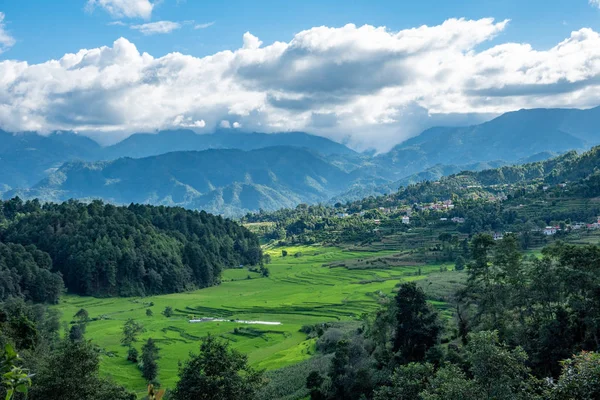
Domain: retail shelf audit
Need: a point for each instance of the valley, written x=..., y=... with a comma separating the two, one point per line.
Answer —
x=290, y=288
x=299, y=200
x=299, y=291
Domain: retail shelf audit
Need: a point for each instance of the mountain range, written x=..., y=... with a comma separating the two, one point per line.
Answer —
x=232, y=172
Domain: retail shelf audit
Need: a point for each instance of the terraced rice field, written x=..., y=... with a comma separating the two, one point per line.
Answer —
x=299, y=291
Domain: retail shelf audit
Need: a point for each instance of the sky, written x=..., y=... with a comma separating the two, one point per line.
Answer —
x=366, y=73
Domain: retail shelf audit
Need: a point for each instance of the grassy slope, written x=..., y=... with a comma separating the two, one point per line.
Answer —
x=299, y=291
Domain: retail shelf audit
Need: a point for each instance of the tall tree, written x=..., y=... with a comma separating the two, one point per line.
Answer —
x=417, y=325
x=217, y=373
x=149, y=357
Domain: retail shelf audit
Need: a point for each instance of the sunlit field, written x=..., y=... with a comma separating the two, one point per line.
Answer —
x=300, y=290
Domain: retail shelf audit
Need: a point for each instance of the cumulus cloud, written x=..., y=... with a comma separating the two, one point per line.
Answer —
x=208, y=25
x=251, y=42
x=158, y=27
x=188, y=122
x=595, y=3
x=123, y=8
x=367, y=86
x=6, y=40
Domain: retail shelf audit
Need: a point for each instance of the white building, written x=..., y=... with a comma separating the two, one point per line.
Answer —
x=550, y=230
x=406, y=219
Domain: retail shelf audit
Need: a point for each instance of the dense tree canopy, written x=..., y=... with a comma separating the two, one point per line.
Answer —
x=105, y=250
x=27, y=272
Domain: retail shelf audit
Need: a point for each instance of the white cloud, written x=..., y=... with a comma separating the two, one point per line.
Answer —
x=188, y=122
x=6, y=40
x=595, y=3
x=366, y=85
x=158, y=27
x=204, y=25
x=117, y=23
x=251, y=42
x=123, y=8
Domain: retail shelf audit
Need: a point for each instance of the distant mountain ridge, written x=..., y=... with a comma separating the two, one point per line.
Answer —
x=232, y=172
x=509, y=137
x=151, y=144
x=27, y=158
x=230, y=181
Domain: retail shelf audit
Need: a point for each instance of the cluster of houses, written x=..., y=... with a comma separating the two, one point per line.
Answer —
x=437, y=206
x=561, y=185
x=552, y=230
x=383, y=210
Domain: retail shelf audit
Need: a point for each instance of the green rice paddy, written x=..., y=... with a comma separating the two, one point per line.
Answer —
x=300, y=290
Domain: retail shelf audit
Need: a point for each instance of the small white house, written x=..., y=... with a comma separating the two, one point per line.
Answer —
x=498, y=236
x=550, y=230
x=406, y=219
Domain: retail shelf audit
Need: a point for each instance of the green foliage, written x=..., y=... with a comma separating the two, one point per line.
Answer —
x=27, y=272
x=350, y=372
x=314, y=381
x=149, y=312
x=217, y=373
x=498, y=371
x=76, y=332
x=132, y=355
x=417, y=325
x=559, y=292
x=14, y=378
x=580, y=378
x=131, y=330
x=450, y=383
x=105, y=250
x=82, y=315
x=407, y=382
x=70, y=372
x=149, y=356
x=168, y=312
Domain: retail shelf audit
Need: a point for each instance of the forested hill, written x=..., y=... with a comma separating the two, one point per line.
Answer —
x=580, y=174
x=104, y=250
x=580, y=171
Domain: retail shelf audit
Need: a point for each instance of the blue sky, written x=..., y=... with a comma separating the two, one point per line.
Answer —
x=366, y=73
x=48, y=29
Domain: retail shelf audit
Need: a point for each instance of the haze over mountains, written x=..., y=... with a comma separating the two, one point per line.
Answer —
x=231, y=173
